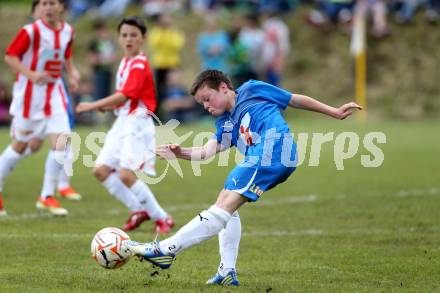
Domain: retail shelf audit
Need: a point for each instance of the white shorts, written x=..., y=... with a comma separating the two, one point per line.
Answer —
x=130, y=144
x=24, y=130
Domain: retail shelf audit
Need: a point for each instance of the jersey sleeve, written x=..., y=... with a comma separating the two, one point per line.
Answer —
x=223, y=136
x=133, y=86
x=218, y=130
x=68, y=52
x=270, y=93
x=19, y=45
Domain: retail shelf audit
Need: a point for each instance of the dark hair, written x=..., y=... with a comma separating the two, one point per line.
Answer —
x=34, y=5
x=211, y=78
x=134, y=21
x=36, y=2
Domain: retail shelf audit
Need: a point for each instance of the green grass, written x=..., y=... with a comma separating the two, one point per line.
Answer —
x=357, y=230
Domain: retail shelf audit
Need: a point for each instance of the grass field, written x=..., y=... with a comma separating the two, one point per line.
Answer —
x=357, y=230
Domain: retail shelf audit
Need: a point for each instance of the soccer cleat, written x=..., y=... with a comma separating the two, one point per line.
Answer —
x=69, y=193
x=52, y=205
x=135, y=220
x=152, y=253
x=229, y=280
x=164, y=226
x=2, y=208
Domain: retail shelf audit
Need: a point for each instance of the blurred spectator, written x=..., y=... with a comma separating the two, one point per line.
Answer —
x=79, y=7
x=276, y=47
x=405, y=9
x=279, y=6
x=165, y=43
x=239, y=60
x=113, y=8
x=213, y=46
x=378, y=11
x=200, y=6
x=177, y=104
x=157, y=7
x=5, y=102
x=102, y=55
x=433, y=11
x=331, y=11
x=252, y=37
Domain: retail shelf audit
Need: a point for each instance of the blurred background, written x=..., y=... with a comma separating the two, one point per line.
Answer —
x=304, y=46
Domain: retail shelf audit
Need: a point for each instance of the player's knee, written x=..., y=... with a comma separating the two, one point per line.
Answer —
x=127, y=178
x=35, y=145
x=19, y=146
x=229, y=201
x=101, y=173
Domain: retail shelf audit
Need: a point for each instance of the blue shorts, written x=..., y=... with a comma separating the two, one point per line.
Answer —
x=252, y=182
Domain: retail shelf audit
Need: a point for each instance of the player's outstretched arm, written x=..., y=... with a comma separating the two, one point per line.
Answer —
x=310, y=104
x=173, y=151
x=105, y=103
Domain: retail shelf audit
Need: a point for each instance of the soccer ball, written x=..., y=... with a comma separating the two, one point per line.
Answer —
x=108, y=248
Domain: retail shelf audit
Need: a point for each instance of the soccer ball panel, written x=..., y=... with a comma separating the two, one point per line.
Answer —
x=108, y=248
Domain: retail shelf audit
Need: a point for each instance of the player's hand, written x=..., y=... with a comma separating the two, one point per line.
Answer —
x=73, y=84
x=346, y=110
x=41, y=77
x=84, y=107
x=168, y=151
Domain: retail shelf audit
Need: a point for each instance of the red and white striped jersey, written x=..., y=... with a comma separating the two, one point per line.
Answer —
x=135, y=81
x=40, y=48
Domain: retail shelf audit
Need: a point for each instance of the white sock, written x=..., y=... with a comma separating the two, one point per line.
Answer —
x=64, y=177
x=147, y=200
x=229, y=241
x=204, y=226
x=52, y=172
x=118, y=189
x=8, y=161
x=27, y=152
x=63, y=180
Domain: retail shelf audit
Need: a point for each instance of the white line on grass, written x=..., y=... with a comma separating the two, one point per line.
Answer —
x=268, y=202
x=306, y=232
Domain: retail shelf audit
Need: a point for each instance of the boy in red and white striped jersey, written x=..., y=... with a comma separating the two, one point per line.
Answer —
x=38, y=54
x=130, y=143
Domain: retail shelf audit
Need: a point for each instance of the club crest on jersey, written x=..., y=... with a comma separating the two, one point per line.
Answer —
x=228, y=126
x=245, y=132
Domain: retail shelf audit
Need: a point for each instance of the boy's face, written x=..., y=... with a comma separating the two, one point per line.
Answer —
x=131, y=39
x=216, y=102
x=50, y=10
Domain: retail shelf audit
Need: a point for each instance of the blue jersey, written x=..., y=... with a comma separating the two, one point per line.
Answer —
x=256, y=119
x=258, y=130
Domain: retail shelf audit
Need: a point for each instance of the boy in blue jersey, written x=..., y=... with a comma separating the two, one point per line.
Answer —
x=250, y=119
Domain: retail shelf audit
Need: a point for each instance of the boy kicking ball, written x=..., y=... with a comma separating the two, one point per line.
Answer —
x=250, y=119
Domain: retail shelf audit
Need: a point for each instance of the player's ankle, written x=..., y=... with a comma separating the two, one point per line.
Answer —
x=223, y=272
